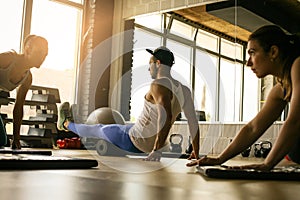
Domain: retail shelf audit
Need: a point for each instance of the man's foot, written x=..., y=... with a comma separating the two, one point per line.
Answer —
x=74, y=113
x=63, y=115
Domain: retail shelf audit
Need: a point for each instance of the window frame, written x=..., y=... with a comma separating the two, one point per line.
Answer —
x=167, y=34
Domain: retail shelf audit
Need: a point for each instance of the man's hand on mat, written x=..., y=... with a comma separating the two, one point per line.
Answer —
x=154, y=156
x=193, y=156
x=204, y=161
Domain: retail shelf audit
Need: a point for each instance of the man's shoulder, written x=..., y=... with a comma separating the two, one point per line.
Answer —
x=165, y=82
x=162, y=80
x=7, y=57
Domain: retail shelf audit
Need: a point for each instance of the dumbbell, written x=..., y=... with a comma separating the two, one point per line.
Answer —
x=262, y=149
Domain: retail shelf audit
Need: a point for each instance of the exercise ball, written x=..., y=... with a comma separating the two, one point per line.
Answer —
x=105, y=115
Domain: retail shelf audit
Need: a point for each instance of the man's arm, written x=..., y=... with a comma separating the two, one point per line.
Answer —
x=162, y=98
x=190, y=114
x=18, y=111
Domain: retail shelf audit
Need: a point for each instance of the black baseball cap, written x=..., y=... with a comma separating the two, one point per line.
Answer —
x=163, y=54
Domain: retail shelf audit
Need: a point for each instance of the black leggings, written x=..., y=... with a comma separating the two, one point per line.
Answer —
x=3, y=135
x=294, y=154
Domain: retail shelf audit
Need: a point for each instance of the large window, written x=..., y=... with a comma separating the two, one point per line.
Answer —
x=230, y=88
x=141, y=78
x=11, y=13
x=60, y=23
x=181, y=70
x=205, y=91
x=251, y=95
x=211, y=66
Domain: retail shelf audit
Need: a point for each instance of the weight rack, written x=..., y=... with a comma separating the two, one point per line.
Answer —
x=42, y=131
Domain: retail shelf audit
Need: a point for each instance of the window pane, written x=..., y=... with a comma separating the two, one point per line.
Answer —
x=59, y=24
x=10, y=35
x=251, y=88
x=77, y=1
x=181, y=70
x=182, y=29
x=64, y=1
x=231, y=49
x=152, y=21
x=206, y=83
x=11, y=24
x=143, y=39
x=207, y=41
x=229, y=87
x=141, y=78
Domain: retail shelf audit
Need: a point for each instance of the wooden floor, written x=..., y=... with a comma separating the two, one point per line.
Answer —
x=132, y=178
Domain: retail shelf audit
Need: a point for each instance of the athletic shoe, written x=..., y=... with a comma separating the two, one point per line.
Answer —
x=63, y=115
x=74, y=113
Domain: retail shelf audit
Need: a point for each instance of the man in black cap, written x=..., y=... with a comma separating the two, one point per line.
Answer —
x=163, y=102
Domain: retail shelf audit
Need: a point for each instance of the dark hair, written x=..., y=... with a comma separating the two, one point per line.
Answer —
x=40, y=41
x=289, y=50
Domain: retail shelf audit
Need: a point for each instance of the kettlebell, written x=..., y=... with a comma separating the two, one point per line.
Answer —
x=262, y=149
x=176, y=147
x=246, y=152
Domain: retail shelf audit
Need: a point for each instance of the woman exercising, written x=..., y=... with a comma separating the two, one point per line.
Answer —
x=271, y=51
x=15, y=74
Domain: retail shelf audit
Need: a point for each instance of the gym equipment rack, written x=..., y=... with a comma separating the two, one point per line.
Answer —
x=42, y=131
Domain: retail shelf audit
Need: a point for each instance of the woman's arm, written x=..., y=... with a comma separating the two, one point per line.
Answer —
x=18, y=110
x=253, y=130
x=289, y=132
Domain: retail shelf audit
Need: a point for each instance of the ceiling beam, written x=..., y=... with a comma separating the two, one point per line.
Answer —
x=285, y=13
x=198, y=15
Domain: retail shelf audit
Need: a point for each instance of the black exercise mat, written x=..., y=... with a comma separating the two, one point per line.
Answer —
x=291, y=173
x=24, y=151
x=23, y=161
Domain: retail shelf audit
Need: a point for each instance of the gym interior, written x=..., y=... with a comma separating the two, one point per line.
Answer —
x=97, y=61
